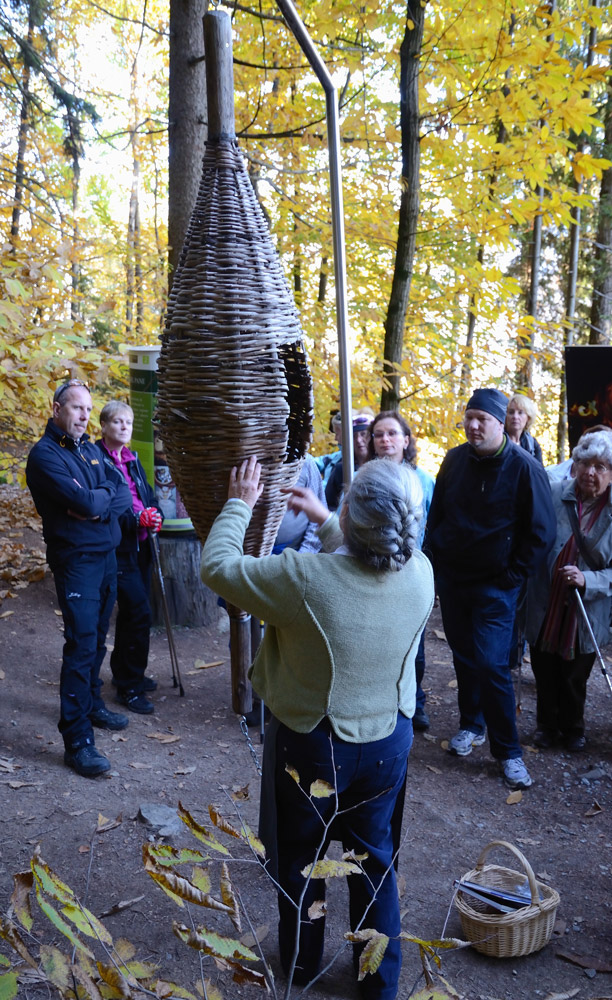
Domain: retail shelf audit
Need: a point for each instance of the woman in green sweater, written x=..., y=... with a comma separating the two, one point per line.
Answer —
x=336, y=668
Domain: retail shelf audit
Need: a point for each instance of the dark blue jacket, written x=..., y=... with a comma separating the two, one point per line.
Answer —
x=63, y=475
x=491, y=519
x=128, y=521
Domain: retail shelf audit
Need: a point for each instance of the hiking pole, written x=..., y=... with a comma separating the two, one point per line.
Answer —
x=176, y=673
x=593, y=639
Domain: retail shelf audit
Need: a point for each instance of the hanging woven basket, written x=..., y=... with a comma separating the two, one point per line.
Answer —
x=233, y=380
x=233, y=374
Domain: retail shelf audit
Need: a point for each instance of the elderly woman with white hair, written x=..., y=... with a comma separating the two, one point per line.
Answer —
x=562, y=653
x=341, y=688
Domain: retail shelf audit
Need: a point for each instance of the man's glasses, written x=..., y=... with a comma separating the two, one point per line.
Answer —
x=57, y=395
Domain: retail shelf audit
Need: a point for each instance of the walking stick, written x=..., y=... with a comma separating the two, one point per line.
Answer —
x=176, y=673
x=593, y=639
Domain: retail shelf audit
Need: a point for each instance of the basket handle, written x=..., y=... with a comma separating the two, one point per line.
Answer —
x=533, y=886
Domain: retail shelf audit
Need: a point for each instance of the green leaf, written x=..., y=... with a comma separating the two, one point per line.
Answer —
x=49, y=881
x=168, y=856
x=214, y=944
x=56, y=967
x=201, y=879
x=60, y=924
x=200, y=832
x=85, y=922
x=9, y=987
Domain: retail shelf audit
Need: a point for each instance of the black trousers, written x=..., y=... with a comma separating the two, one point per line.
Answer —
x=129, y=657
x=561, y=690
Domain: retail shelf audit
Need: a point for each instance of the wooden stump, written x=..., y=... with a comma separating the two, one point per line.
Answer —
x=189, y=601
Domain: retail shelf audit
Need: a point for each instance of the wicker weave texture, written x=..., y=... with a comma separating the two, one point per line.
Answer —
x=507, y=935
x=233, y=375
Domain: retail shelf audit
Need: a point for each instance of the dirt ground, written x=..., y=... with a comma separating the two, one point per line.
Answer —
x=192, y=750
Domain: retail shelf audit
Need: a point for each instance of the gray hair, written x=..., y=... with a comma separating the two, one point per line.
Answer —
x=598, y=444
x=381, y=514
x=112, y=408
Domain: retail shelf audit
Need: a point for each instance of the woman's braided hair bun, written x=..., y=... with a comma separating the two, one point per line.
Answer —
x=383, y=511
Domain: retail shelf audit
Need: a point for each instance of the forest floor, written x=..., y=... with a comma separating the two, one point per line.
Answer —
x=90, y=832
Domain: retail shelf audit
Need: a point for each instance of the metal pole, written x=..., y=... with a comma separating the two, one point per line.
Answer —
x=176, y=673
x=593, y=639
x=307, y=46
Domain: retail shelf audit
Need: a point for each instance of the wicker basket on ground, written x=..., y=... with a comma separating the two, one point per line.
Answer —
x=507, y=935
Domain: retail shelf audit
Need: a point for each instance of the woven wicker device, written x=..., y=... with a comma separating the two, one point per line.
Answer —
x=233, y=375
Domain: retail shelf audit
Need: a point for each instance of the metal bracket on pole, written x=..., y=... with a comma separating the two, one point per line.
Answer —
x=307, y=46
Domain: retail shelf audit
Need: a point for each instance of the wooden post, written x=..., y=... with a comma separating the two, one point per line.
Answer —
x=240, y=651
x=189, y=601
x=219, y=75
x=220, y=101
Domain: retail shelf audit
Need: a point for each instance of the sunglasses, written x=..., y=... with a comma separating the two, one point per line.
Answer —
x=68, y=385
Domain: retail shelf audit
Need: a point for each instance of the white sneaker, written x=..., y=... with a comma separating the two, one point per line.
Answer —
x=461, y=744
x=515, y=773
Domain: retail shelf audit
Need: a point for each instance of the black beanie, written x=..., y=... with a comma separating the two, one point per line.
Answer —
x=491, y=401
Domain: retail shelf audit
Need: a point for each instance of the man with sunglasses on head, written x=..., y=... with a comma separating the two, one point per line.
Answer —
x=79, y=500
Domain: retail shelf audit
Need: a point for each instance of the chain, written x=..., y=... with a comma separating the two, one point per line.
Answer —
x=244, y=729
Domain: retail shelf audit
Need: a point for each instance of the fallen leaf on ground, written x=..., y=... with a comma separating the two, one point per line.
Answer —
x=135, y=764
x=528, y=842
x=185, y=770
x=6, y=764
x=453, y=683
x=428, y=736
x=84, y=849
x=444, y=744
x=439, y=634
x=118, y=907
x=105, y=824
x=514, y=797
x=595, y=810
x=116, y=738
x=58, y=612
x=2, y=675
x=163, y=737
x=239, y=794
x=5, y=614
x=24, y=784
x=202, y=665
x=436, y=770
x=562, y=996
x=544, y=876
x=251, y=939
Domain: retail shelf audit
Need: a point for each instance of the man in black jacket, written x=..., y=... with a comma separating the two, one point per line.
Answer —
x=490, y=523
x=79, y=501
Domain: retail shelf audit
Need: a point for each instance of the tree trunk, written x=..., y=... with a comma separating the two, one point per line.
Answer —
x=22, y=141
x=601, y=305
x=410, y=51
x=186, y=119
x=572, y=277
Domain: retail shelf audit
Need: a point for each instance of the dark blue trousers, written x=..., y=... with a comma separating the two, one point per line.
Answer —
x=85, y=584
x=132, y=629
x=368, y=779
x=479, y=623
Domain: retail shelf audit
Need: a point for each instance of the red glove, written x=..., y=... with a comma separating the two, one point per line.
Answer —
x=150, y=518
